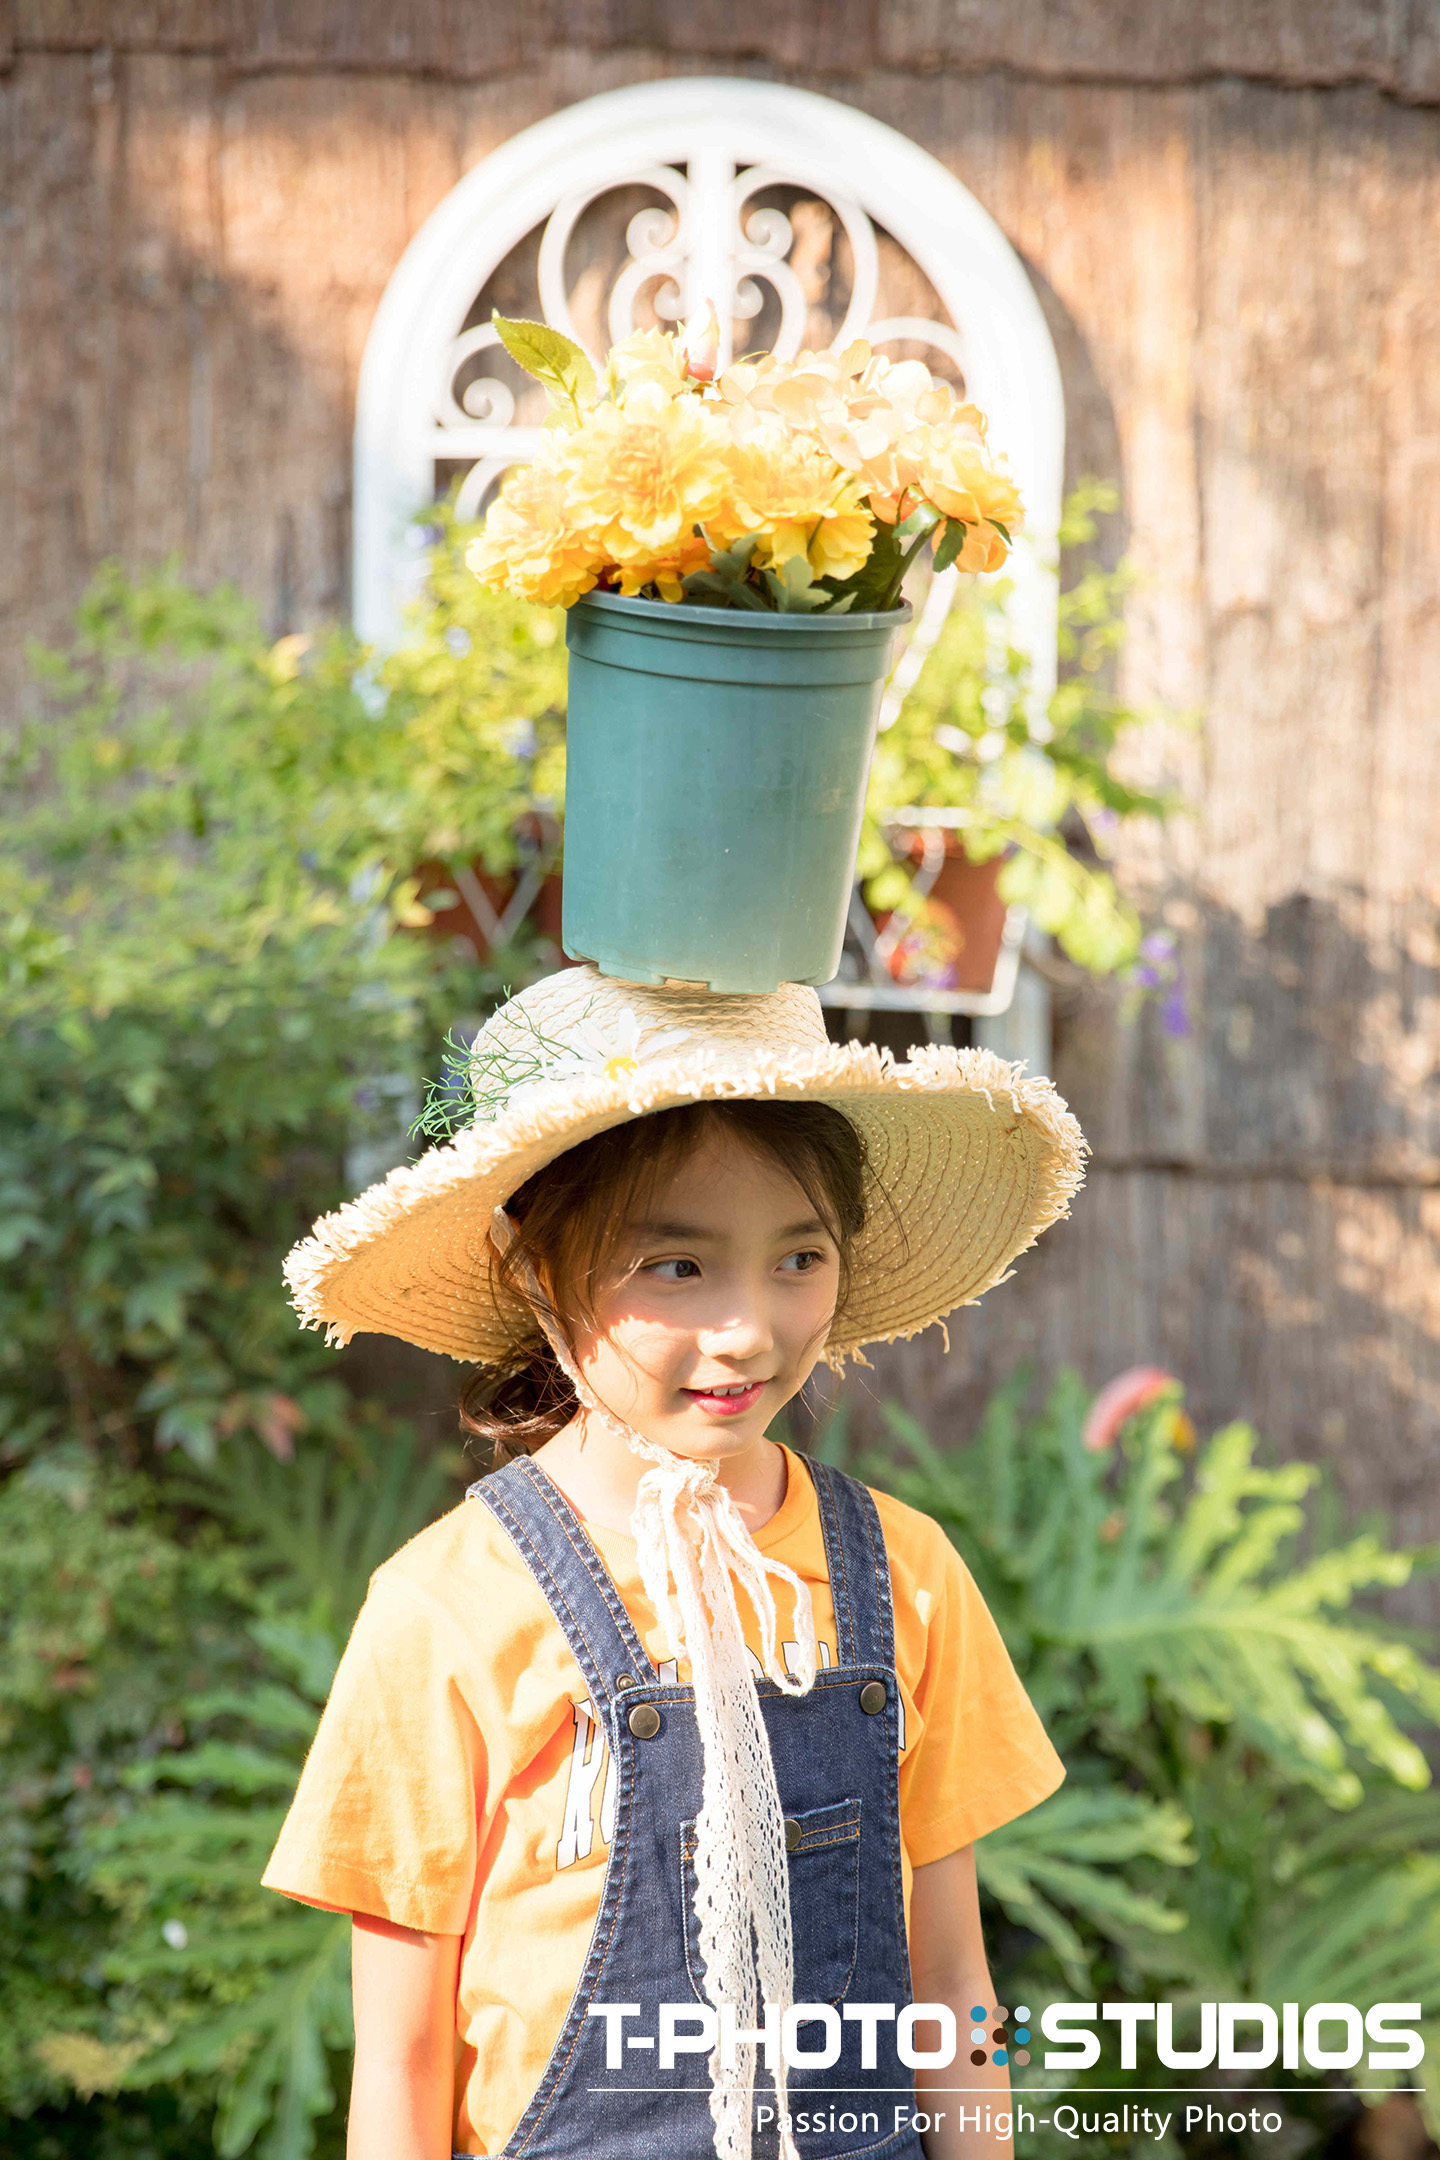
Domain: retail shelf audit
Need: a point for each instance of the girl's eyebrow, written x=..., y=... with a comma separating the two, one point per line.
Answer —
x=691, y=1233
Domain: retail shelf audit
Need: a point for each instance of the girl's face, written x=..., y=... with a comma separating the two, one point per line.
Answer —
x=720, y=1306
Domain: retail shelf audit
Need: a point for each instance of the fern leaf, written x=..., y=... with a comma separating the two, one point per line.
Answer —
x=1067, y=1851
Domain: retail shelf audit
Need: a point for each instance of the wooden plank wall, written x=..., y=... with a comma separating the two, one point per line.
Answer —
x=1231, y=212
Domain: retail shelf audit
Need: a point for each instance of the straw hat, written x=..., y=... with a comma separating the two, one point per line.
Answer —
x=975, y=1159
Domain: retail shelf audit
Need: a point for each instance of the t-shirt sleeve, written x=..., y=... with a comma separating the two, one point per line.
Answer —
x=982, y=1757
x=384, y=1820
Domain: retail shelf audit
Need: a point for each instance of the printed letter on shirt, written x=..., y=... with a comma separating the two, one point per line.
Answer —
x=586, y=1758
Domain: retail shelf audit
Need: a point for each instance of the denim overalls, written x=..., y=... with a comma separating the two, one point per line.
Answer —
x=836, y=1756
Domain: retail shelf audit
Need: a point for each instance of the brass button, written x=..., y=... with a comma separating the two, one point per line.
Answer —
x=644, y=1721
x=624, y=1680
x=873, y=1697
x=793, y=1834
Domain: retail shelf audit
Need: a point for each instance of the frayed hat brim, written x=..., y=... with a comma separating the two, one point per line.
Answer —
x=972, y=1160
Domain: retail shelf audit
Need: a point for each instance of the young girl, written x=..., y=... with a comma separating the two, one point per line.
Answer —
x=638, y=1865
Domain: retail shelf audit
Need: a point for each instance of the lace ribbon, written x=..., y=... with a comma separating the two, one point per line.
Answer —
x=689, y=1533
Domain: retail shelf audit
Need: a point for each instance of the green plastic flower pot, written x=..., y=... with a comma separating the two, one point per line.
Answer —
x=716, y=763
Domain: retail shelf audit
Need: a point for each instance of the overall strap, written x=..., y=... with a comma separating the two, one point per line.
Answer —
x=554, y=1546
x=859, y=1568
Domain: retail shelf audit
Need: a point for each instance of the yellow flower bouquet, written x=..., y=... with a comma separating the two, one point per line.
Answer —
x=799, y=486
x=730, y=546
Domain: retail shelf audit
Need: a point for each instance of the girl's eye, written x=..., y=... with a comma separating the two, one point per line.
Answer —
x=674, y=1270
x=803, y=1263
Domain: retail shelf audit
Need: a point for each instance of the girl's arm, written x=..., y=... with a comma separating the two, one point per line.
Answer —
x=947, y=1964
x=402, y=2097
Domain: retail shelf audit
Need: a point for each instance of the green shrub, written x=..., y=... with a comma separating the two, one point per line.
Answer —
x=159, y=1685
x=1039, y=784
x=1246, y=1817
x=204, y=846
x=106, y=1623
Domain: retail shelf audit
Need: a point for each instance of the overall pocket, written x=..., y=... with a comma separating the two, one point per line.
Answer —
x=823, y=1848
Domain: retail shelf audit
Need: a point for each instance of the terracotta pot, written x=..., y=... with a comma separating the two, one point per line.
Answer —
x=459, y=920
x=482, y=899
x=956, y=944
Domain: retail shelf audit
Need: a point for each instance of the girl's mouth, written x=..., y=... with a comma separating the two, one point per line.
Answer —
x=728, y=1401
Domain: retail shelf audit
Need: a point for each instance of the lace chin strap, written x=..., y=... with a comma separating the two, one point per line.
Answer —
x=689, y=1533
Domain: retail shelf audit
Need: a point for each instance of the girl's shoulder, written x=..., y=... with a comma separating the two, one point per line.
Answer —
x=462, y=1569
x=919, y=1554
x=456, y=1619
x=911, y=1538
x=926, y=1572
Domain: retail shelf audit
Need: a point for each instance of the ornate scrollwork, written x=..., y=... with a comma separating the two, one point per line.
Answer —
x=706, y=238
x=484, y=397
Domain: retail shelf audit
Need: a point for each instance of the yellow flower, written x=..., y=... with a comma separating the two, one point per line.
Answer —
x=842, y=540
x=803, y=456
x=982, y=549
x=885, y=474
x=643, y=477
x=958, y=478
x=890, y=407
x=864, y=411
x=745, y=394
x=798, y=502
x=800, y=390
x=531, y=544
x=651, y=360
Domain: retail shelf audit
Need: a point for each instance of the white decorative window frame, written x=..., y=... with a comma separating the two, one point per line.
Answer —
x=714, y=128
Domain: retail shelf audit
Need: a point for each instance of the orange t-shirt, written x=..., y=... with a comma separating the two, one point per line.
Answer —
x=457, y=1783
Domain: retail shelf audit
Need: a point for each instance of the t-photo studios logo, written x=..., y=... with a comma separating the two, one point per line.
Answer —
x=1223, y=2036
x=1229, y=2036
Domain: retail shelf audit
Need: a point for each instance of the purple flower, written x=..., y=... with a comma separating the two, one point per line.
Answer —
x=1173, y=1016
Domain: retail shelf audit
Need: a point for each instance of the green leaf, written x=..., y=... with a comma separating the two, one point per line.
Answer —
x=872, y=587
x=951, y=542
x=17, y=1231
x=552, y=358
x=191, y=1426
x=1192, y=1606
x=219, y=1763
x=795, y=590
x=1067, y=1852
x=728, y=579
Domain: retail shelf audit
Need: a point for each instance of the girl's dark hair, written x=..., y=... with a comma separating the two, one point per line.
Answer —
x=570, y=1217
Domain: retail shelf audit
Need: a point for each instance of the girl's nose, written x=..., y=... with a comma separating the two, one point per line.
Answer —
x=743, y=1334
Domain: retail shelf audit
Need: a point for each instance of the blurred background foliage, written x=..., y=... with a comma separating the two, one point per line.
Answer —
x=1247, y=1815
x=1037, y=781
x=206, y=845
x=223, y=979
